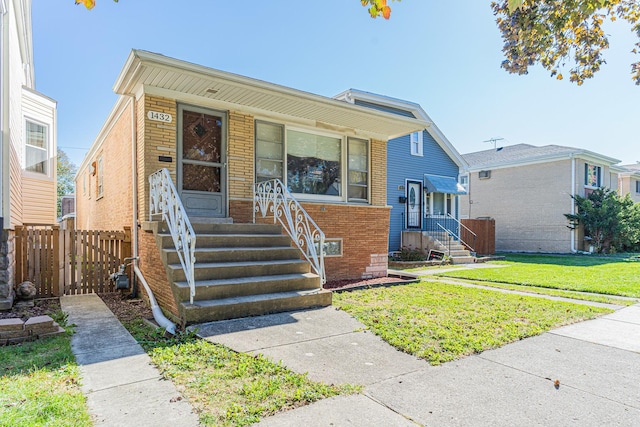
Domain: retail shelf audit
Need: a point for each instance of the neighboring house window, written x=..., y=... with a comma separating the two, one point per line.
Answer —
x=484, y=174
x=100, y=172
x=36, y=147
x=638, y=187
x=464, y=181
x=592, y=175
x=314, y=163
x=269, y=151
x=358, y=169
x=416, y=144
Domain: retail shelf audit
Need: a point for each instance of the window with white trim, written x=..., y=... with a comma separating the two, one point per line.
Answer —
x=464, y=181
x=269, y=151
x=592, y=176
x=416, y=143
x=316, y=163
x=36, y=147
x=100, y=172
x=358, y=164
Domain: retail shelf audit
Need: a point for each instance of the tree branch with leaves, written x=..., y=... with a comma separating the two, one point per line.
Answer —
x=562, y=34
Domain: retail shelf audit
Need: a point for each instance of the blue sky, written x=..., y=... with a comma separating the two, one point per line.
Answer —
x=443, y=55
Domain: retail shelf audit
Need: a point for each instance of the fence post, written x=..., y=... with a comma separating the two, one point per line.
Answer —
x=19, y=254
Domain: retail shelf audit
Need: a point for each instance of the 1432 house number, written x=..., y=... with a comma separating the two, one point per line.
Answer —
x=159, y=117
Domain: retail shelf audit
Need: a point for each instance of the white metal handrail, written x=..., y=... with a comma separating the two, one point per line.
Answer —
x=274, y=198
x=165, y=200
x=461, y=225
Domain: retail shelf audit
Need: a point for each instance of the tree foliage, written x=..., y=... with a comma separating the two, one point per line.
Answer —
x=378, y=8
x=66, y=171
x=610, y=221
x=561, y=34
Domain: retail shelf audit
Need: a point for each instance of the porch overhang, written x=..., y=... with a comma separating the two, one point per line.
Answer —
x=443, y=184
x=147, y=72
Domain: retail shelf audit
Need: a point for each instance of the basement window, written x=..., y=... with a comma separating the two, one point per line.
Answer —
x=332, y=247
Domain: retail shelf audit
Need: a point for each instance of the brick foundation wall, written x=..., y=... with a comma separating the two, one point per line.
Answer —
x=154, y=272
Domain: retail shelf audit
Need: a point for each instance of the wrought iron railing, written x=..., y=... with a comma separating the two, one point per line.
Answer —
x=165, y=201
x=465, y=235
x=272, y=197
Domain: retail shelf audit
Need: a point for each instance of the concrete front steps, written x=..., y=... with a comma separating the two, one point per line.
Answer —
x=241, y=270
x=458, y=253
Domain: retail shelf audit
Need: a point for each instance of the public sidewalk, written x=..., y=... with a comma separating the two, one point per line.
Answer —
x=122, y=387
x=584, y=374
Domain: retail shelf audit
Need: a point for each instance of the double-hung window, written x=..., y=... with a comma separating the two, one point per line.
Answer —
x=416, y=144
x=358, y=170
x=36, y=147
x=592, y=176
x=269, y=151
x=100, y=172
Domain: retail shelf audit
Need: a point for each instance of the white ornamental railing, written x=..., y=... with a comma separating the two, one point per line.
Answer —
x=272, y=197
x=165, y=200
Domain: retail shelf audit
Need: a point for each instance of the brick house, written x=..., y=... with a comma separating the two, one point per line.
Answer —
x=27, y=140
x=218, y=134
x=528, y=189
x=629, y=181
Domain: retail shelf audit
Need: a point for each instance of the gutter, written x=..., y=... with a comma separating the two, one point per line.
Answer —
x=573, y=201
x=158, y=316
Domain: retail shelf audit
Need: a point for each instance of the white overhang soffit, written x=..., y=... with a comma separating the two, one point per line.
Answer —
x=150, y=70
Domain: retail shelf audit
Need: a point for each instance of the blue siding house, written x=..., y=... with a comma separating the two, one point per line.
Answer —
x=425, y=173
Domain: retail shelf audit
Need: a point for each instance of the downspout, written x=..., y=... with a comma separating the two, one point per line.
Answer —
x=158, y=316
x=573, y=201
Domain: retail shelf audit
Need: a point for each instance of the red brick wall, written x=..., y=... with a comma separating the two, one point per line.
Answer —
x=154, y=272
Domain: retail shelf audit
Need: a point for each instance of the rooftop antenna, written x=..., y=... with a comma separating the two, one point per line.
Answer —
x=494, y=140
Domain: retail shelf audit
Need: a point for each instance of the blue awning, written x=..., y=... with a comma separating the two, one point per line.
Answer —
x=443, y=184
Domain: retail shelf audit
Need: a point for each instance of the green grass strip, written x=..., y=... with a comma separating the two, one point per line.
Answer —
x=595, y=274
x=442, y=322
x=39, y=385
x=229, y=388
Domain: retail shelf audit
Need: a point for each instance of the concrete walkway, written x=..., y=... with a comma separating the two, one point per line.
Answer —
x=122, y=387
x=586, y=374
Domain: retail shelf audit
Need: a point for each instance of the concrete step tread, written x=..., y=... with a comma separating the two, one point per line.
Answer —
x=251, y=299
x=240, y=264
x=237, y=235
x=237, y=248
x=252, y=279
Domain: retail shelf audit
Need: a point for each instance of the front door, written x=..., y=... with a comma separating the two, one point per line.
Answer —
x=201, y=161
x=414, y=204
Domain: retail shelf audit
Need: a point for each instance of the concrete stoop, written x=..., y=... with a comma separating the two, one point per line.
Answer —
x=241, y=270
x=457, y=252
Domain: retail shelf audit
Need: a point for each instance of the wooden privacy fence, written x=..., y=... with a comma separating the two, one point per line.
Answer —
x=38, y=257
x=485, y=229
x=68, y=262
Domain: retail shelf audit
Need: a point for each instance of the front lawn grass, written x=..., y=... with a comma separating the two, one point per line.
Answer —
x=442, y=322
x=228, y=388
x=39, y=385
x=605, y=299
x=585, y=273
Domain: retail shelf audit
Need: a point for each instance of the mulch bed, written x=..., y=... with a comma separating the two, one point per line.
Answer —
x=41, y=307
x=339, y=285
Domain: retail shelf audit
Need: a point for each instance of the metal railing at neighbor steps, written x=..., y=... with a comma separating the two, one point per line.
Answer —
x=272, y=197
x=445, y=228
x=165, y=201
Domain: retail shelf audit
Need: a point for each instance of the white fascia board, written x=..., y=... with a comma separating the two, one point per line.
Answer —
x=127, y=84
x=351, y=94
